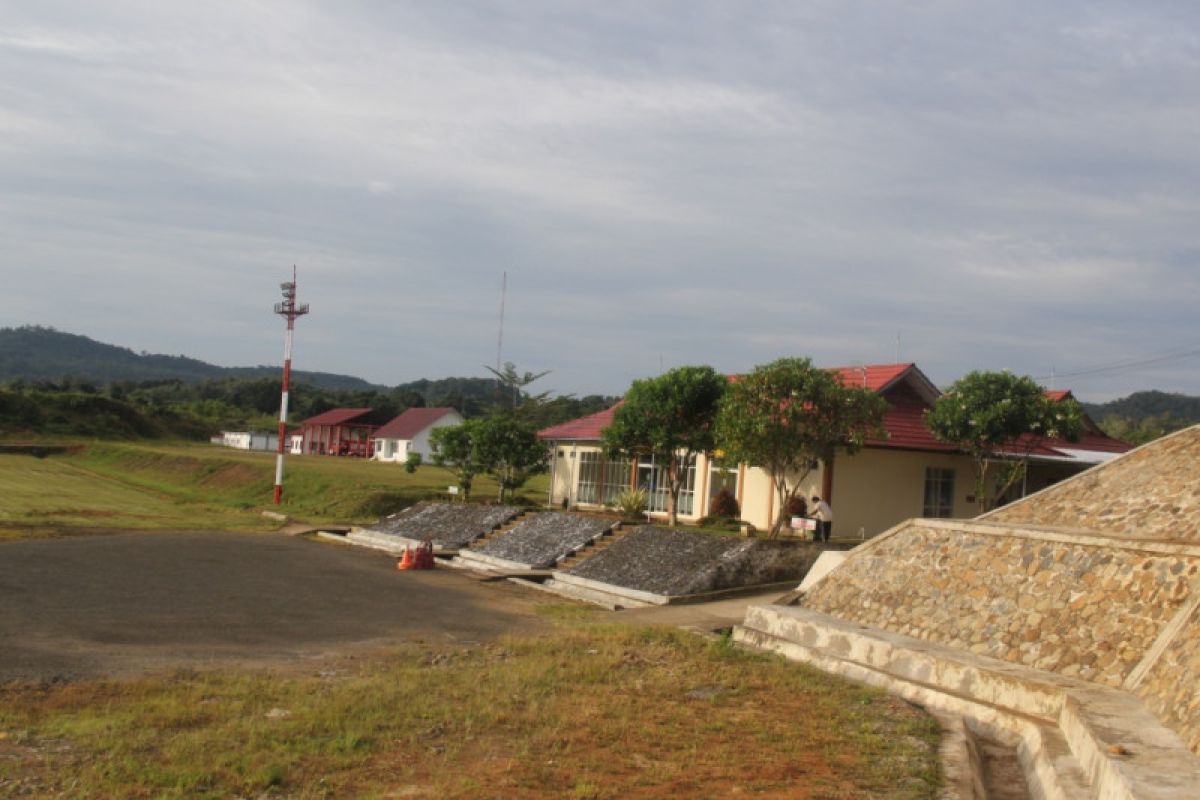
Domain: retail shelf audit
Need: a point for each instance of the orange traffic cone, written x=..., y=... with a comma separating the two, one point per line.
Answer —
x=406, y=561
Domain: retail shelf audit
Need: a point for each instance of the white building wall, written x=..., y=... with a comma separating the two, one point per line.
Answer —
x=397, y=450
x=420, y=443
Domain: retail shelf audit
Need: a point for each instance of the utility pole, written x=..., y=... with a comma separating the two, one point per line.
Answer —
x=289, y=310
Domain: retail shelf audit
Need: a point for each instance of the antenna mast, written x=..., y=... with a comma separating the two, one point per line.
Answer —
x=500, y=332
x=289, y=310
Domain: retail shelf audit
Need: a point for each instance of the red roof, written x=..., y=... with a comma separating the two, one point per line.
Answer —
x=875, y=377
x=905, y=424
x=584, y=429
x=412, y=422
x=336, y=416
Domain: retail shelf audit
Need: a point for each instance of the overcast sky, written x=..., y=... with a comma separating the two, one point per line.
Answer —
x=997, y=184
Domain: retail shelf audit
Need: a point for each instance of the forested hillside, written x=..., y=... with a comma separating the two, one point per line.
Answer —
x=61, y=384
x=1144, y=416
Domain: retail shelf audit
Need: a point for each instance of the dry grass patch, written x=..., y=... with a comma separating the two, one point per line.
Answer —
x=590, y=712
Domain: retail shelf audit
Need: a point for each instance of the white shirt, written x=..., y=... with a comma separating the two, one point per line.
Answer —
x=823, y=511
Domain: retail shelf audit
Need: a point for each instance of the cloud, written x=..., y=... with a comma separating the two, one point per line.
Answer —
x=665, y=184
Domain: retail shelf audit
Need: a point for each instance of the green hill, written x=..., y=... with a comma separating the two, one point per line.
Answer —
x=35, y=353
x=1140, y=405
x=1144, y=416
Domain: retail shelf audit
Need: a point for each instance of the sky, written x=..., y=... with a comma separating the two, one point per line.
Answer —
x=963, y=185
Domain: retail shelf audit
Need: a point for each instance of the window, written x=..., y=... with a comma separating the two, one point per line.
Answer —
x=616, y=480
x=600, y=479
x=939, y=492
x=653, y=478
x=589, y=477
x=721, y=478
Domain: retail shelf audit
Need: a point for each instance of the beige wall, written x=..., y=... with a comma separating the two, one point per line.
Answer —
x=878, y=488
x=564, y=458
x=872, y=491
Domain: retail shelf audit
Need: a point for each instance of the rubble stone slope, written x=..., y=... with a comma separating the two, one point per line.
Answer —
x=676, y=563
x=1149, y=493
x=542, y=540
x=450, y=525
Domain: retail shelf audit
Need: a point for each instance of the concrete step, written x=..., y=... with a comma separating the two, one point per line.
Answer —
x=597, y=545
x=500, y=530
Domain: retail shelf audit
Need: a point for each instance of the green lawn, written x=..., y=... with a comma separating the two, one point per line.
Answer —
x=200, y=486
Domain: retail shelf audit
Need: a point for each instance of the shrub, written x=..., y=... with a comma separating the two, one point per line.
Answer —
x=724, y=504
x=796, y=507
x=633, y=502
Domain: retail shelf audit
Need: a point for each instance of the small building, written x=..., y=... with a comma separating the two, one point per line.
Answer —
x=409, y=433
x=339, y=432
x=908, y=473
x=247, y=440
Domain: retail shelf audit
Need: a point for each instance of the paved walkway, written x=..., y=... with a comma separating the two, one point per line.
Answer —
x=702, y=617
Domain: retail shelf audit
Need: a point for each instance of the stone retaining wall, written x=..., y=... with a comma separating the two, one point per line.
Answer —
x=1083, y=606
x=1149, y=493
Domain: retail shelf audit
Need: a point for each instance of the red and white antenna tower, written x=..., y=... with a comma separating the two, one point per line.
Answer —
x=289, y=310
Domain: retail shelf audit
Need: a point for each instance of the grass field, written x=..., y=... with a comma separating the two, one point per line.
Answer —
x=193, y=486
x=592, y=712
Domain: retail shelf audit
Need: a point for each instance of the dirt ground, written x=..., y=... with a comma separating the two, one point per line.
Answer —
x=123, y=604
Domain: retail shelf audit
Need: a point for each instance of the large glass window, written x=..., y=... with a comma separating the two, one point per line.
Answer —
x=719, y=478
x=589, y=477
x=616, y=479
x=601, y=480
x=652, y=477
x=939, y=492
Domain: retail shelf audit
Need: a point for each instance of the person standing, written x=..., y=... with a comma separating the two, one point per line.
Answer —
x=824, y=514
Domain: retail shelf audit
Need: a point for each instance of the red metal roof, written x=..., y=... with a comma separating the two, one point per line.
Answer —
x=336, y=416
x=412, y=422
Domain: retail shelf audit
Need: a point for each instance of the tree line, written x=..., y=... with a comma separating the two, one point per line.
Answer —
x=174, y=408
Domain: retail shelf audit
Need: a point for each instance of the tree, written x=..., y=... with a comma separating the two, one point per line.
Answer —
x=999, y=419
x=785, y=416
x=509, y=449
x=498, y=444
x=1140, y=431
x=515, y=384
x=454, y=447
x=670, y=417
